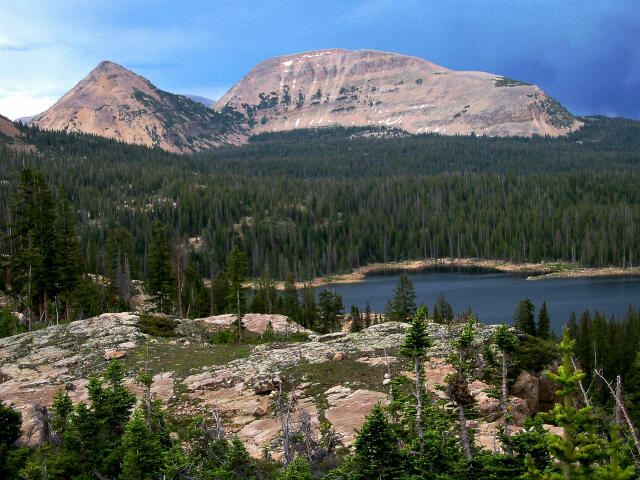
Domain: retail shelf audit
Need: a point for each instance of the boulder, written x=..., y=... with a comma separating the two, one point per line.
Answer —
x=266, y=385
x=113, y=354
x=337, y=357
x=259, y=411
x=527, y=387
x=547, y=393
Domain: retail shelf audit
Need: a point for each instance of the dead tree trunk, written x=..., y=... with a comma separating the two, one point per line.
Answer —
x=417, y=368
x=623, y=411
x=505, y=406
x=464, y=434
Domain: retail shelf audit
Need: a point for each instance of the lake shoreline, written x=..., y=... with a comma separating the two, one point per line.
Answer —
x=534, y=271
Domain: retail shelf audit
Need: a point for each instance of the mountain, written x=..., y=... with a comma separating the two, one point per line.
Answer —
x=366, y=87
x=11, y=137
x=116, y=103
x=207, y=102
x=26, y=120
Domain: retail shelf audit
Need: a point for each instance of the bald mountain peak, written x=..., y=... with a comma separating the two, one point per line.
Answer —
x=114, y=102
x=369, y=87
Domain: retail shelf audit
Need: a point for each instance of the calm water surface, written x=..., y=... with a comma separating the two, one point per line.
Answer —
x=493, y=296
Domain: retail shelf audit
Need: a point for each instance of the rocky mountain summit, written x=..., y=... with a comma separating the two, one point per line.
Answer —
x=116, y=103
x=307, y=90
x=367, y=87
x=337, y=377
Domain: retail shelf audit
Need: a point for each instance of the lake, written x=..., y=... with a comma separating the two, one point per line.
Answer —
x=493, y=296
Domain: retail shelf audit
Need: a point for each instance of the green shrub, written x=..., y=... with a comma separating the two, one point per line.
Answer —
x=157, y=326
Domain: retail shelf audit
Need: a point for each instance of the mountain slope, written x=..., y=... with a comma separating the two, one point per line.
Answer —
x=11, y=137
x=116, y=103
x=366, y=87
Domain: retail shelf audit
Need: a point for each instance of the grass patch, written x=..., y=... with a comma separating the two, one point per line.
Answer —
x=183, y=359
x=230, y=336
x=157, y=326
x=323, y=376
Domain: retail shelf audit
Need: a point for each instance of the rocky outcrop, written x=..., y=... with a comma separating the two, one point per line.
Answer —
x=338, y=378
x=373, y=88
x=255, y=323
x=116, y=103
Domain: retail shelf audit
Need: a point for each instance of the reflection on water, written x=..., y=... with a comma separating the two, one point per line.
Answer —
x=493, y=295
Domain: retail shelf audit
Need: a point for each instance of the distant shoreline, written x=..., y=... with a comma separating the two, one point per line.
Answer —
x=535, y=271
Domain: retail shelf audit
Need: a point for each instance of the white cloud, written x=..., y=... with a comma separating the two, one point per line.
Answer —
x=23, y=104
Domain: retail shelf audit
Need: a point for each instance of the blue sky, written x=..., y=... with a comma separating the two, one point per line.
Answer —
x=584, y=53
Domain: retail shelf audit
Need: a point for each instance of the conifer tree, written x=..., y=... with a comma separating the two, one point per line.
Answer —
x=356, y=319
x=507, y=343
x=458, y=384
x=415, y=347
x=443, y=310
x=120, y=266
x=577, y=450
x=543, y=329
x=67, y=250
x=309, y=307
x=220, y=291
x=367, y=315
x=142, y=451
x=160, y=279
x=523, y=317
x=236, y=268
x=290, y=300
x=32, y=244
x=403, y=305
x=376, y=449
x=331, y=310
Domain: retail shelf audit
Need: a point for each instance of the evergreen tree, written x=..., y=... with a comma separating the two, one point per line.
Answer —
x=142, y=451
x=236, y=268
x=290, y=300
x=331, y=311
x=403, y=306
x=120, y=266
x=415, y=347
x=67, y=250
x=367, y=315
x=376, y=449
x=523, y=317
x=507, y=343
x=631, y=390
x=543, y=329
x=443, y=310
x=265, y=296
x=309, y=307
x=299, y=469
x=32, y=244
x=458, y=383
x=196, y=294
x=577, y=450
x=221, y=291
x=356, y=319
x=160, y=279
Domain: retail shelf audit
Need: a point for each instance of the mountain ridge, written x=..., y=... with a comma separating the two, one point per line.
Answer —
x=371, y=87
x=318, y=88
x=114, y=102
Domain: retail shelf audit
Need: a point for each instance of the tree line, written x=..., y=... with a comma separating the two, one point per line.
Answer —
x=312, y=203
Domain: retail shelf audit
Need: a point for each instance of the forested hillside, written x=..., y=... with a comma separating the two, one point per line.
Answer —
x=314, y=202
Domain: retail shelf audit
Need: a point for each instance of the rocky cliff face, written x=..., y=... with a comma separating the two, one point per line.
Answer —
x=366, y=87
x=116, y=103
x=338, y=377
